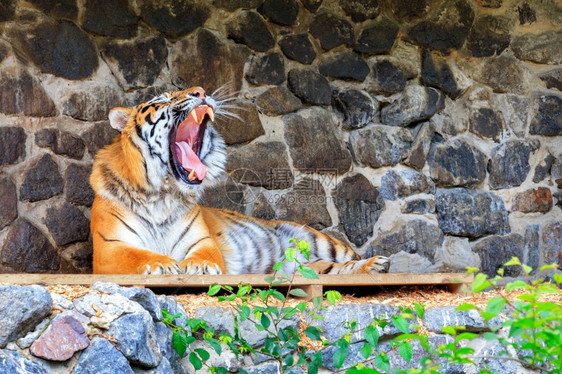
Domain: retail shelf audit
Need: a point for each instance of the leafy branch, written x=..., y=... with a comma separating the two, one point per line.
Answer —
x=534, y=327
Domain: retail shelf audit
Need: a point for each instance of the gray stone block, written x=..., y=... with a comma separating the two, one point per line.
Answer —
x=144, y=296
x=335, y=318
x=136, y=338
x=102, y=358
x=356, y=197
x=416, y=103
x=470, y=213
x=21, y=309
x=436, y=318
x=14, y=363
x=457, y=163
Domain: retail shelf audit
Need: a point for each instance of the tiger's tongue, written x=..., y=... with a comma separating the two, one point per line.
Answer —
x=190, y=161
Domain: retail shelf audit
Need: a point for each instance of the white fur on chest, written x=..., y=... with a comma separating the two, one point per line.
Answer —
x=158, y=226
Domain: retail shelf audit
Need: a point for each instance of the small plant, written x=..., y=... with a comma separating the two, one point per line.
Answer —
x=534, y=337
x=534, y=327
x=267, y=309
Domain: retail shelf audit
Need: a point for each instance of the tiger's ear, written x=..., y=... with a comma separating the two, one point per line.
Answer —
x=118, y=118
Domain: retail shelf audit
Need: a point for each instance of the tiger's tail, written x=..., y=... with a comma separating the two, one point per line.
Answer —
x=376, y=264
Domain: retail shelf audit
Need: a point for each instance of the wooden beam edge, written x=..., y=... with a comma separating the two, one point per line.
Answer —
x=170, y=280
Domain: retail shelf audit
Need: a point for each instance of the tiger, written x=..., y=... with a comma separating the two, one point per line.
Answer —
x=146, y=219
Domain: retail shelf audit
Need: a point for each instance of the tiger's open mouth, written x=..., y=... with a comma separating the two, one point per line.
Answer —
x=185, y=144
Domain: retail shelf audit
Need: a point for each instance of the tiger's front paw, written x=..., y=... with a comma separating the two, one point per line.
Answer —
x=191, y=266
x=162, y=267
x=377, y=264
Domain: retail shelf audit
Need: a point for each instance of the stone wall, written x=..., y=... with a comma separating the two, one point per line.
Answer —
x=429, y=131
x=111, y=329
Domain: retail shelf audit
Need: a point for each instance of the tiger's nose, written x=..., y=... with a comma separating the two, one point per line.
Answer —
x=199, y=93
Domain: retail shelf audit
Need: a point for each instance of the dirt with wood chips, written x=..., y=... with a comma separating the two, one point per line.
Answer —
x=428, y=296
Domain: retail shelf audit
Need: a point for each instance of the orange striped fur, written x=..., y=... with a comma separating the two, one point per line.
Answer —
x=145, y=217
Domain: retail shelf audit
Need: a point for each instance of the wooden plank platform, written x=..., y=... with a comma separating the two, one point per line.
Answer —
x=314, y=287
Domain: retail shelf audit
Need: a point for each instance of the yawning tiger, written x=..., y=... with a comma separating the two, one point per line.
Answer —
x=145, y=216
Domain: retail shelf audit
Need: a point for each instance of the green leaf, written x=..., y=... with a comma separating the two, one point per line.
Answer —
x=179, y=343
x=547, y=307
x=513, y=262
x=167, y=317
x=419, y=309
x=312, y=369
x=203, y=354
x=317, y=302
x=283, y=335
x=405, y=350
x=547, y=288
x=278, y=295
x=495, y=306
x=343, y=344
x=265, y=321
x=316, y=358
x=339, y=357
x=372, y=335
x=214, y=289
x=290, y=254
x=218, y=370
x=196, y=323
x=400, y=323
x=313, y=333
x=480, y=283
x=366, y=350
x=332, y=296
x=424, y=342
x=264, y=294
x=549, y=267
x=301, y=307
x=406, y=337
x=303, y=246
x=243, y=289
x=298, y=292
x=269, y=279
x=315, y=361
x=215, y=344
x=195, y=361
x=244, y=312
x=518, y=284
x=464, y=351
x=278, y=266
x=382, y=362
x=308, y=273
x=450, y=330
x=527, y=269
x=466, y=336
x=490, y=336
x=466, y=307
x=280, y=280
x=289, y=360
x=273, y=310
